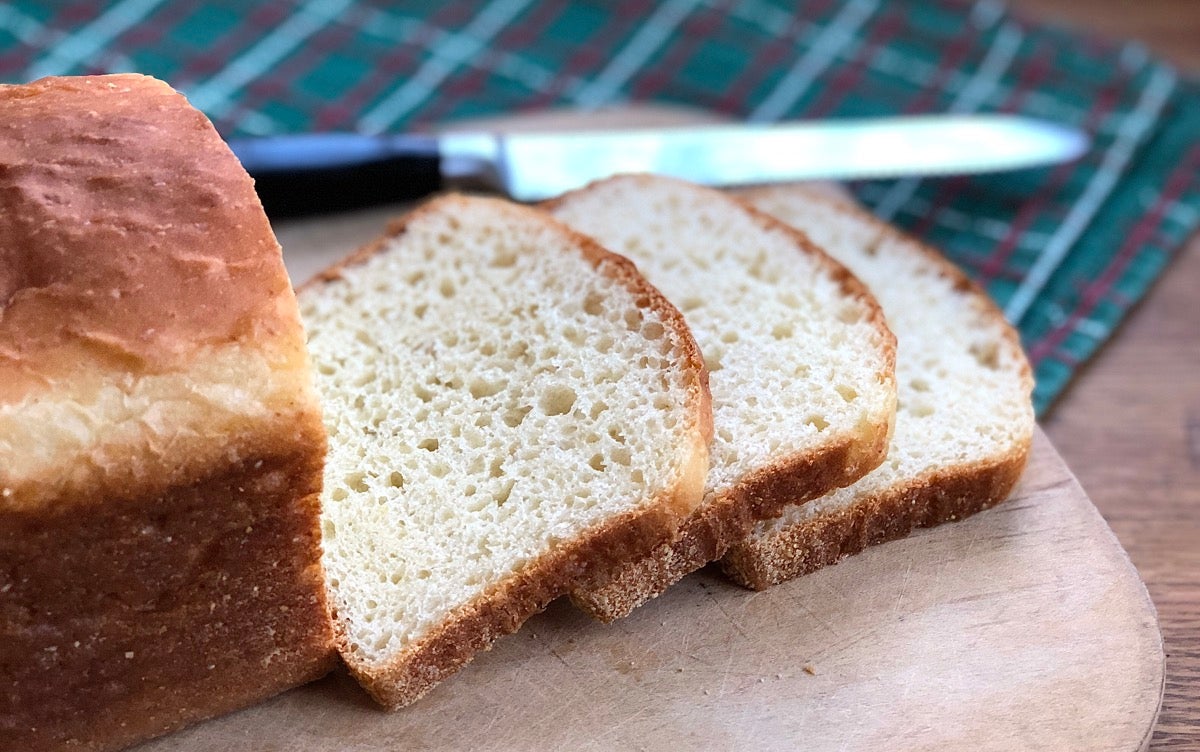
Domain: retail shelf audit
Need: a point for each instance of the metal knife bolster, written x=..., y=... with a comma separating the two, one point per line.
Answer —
x=474, y=160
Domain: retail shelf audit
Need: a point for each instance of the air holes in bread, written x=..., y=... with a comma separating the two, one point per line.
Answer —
x=593, y=304
x=557, y=400
x=987, y=354
x=481, y=388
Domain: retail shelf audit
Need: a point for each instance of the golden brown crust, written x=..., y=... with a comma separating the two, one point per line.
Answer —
x=765, y=493
x=156, y=611
x=161, y=563
x=501, y=610
x=722, y=522
x=940, y=496
x=131, y=236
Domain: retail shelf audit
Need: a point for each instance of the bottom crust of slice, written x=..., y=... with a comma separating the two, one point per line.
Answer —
x=722, y=522
x=945, y=495
x=474, y=626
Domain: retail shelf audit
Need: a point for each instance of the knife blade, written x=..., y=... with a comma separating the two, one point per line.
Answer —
x=302, y=174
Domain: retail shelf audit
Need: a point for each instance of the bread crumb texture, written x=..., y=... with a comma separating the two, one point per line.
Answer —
x=963, y=382
x=796, y=362
x=491, y=392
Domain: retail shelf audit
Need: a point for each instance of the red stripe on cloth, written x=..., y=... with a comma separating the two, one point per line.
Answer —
x=1180, y=178
x=515, y=36
x=1052, y=189
x=279, y=81
x=77, y=15
x=592, y=52
x=154, y=26
x=218, y=56
x=344, y=111
x=17, y=60
x=142, y=35
x=948, y=64
x=1028, y=77
x=771, y=58
x=842, y=83
x=692, y=33
x=13, y=62
x=1121, y=298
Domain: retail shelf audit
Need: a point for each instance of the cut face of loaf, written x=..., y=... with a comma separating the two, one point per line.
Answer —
x=161, y=444
x=510, y=408
x=800, y=359
x=965, y=421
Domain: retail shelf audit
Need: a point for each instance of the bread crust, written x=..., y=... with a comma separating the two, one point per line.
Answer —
x=943, y=495
x=162, y=607
x=766, y=492
x=503, y=608
x=132, y=237
x=149, y=549
x=722, y=522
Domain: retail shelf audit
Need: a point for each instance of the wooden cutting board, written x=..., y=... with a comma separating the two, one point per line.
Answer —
x=1024, y=627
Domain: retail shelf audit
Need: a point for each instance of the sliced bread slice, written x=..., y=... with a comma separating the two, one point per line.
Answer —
x=510, y=407
x=965, y=422
x=801, y=362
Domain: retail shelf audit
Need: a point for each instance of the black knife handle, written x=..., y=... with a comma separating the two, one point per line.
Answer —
x=328, y=172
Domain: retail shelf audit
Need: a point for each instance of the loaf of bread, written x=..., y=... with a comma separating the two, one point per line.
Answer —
x=801, y=362
x=510, y=409
x=965, y=421
x=161, y=444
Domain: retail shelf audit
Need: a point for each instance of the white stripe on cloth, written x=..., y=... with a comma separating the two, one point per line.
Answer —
x=511, y=65
x=775, y=21
x=1134, y=127
x=91, y=38
x=953, y=219
x=257, y=123
x=653, y=32
x=985, y=13
x=816, y=60
x=22, y=26
x=214, y=96
x=972, y=96
x=446, y=57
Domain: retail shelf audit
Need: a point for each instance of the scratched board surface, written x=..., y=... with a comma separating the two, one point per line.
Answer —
x=1024, y=627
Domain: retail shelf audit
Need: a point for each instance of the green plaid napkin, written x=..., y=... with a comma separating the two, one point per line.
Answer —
x=1065, y=251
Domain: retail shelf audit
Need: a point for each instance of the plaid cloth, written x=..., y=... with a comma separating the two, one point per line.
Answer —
x=1065, y=251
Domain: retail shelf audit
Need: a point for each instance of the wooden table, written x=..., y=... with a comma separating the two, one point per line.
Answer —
x=1130, y=425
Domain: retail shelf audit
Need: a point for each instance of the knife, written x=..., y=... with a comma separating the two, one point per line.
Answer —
x=312, y=173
